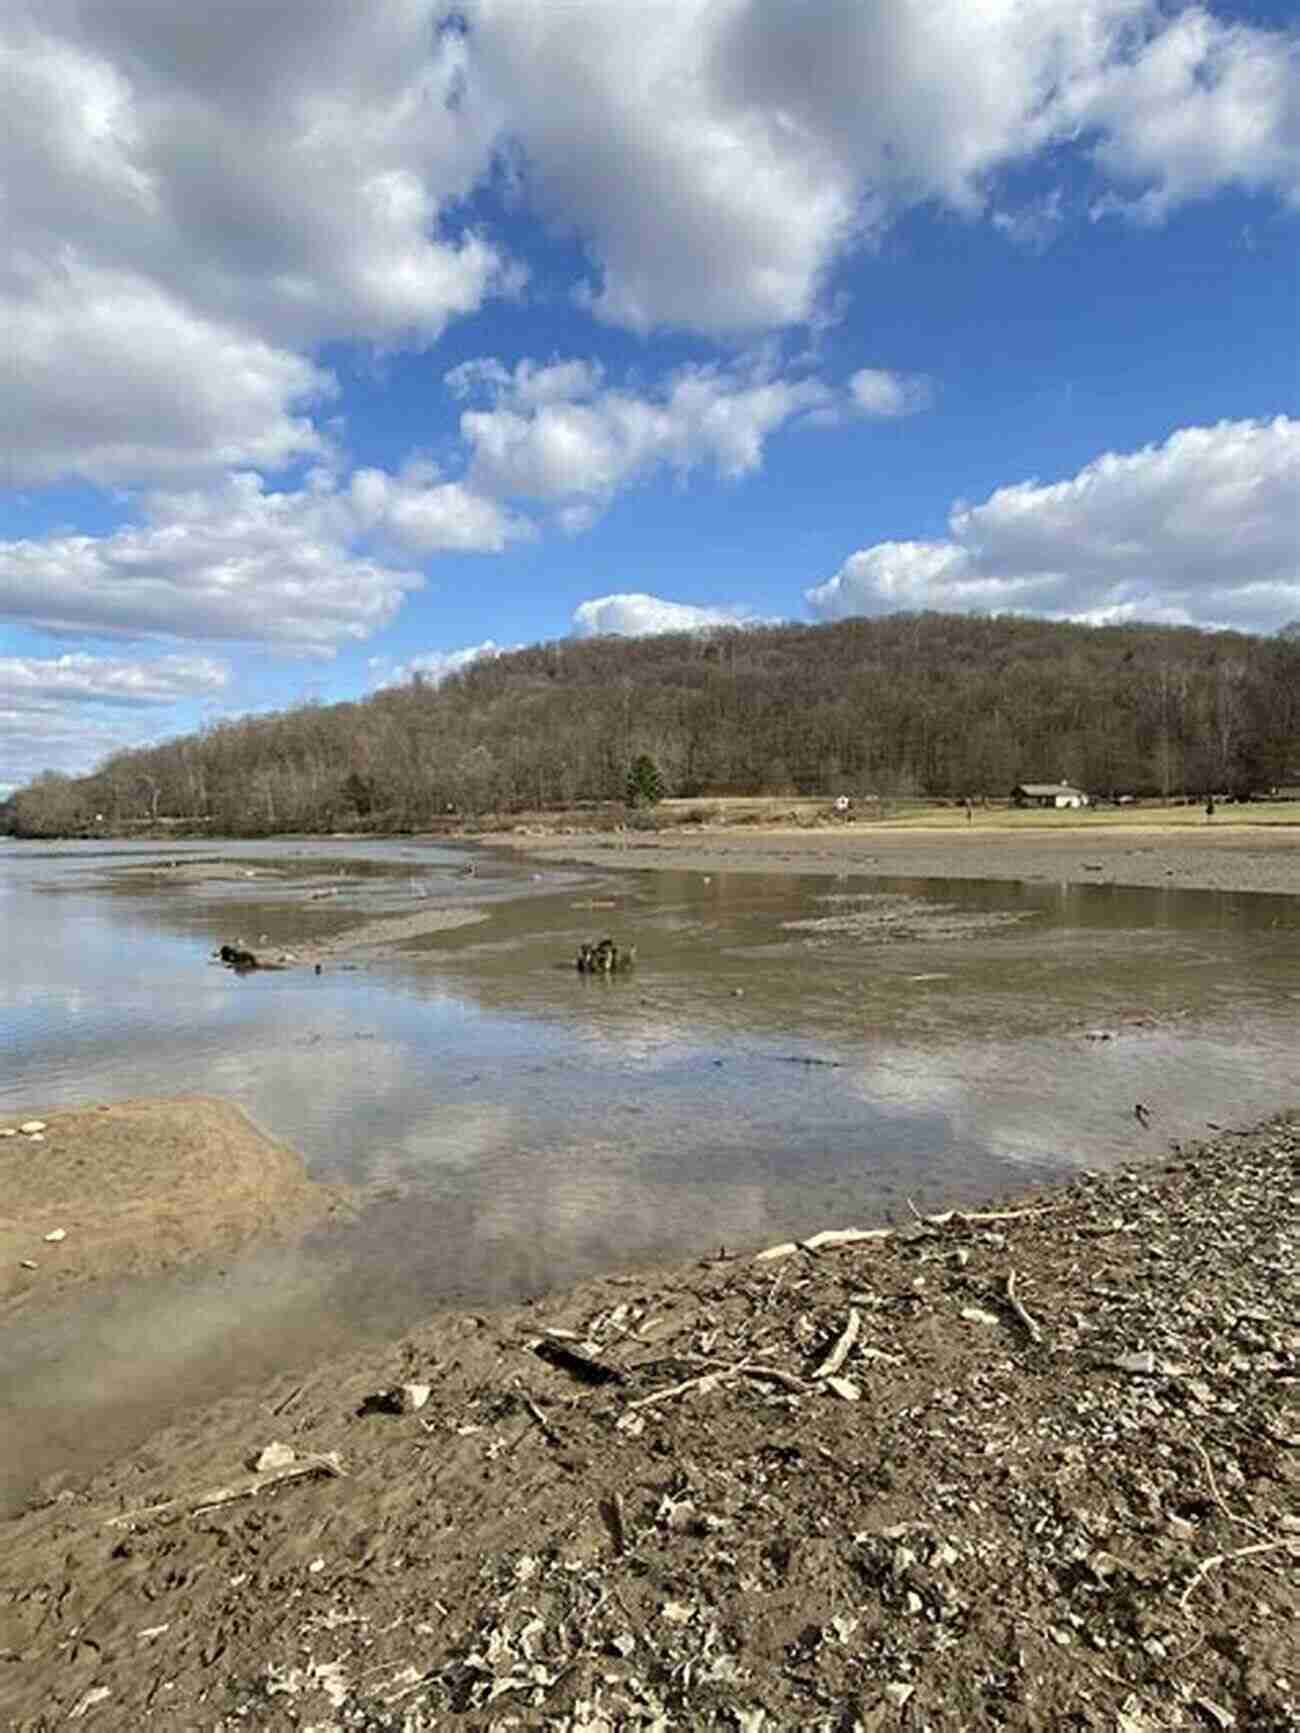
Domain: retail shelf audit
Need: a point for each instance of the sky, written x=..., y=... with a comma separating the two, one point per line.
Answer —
x=341, y=341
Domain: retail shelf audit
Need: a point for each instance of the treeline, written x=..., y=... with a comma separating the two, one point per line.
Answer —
x=909, y=705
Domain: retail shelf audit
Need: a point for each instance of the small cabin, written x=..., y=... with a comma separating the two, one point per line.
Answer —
x=1053, y=795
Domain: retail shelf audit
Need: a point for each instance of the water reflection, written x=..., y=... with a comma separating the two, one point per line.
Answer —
x=511, y=1124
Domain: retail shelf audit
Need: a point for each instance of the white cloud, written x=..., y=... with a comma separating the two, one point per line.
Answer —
x=890, y=395
x=424, y=514
x=1203, y=104
x=197, y=199
x=636, y=615
x=107, y=377
x=1201, y=529
x=32, y=681
x=233, y=562
x=194, y=198
x=283, y=167
x=560, y=435
x=64, y=712
x=717, y=156
x=432, y=665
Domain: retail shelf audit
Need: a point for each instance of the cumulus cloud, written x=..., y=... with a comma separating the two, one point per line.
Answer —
x=560, y=435
x=890, y=395
x=109, y=378
x=424, y=514
x=1201, y=529
x=193, y=209
x=635, y=615
x=1203, y=104
x=294, y=171
x=432, y=665
x=63, y=712
x=717, y=156
x=193, y=203
x=234, y=562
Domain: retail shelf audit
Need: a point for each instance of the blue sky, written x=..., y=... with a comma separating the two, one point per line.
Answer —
x=344, y=341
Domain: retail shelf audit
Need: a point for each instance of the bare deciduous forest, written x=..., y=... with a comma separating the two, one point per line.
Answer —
x=928, y=705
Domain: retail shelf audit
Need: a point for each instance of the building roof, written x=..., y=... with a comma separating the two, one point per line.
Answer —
x=1041, y=790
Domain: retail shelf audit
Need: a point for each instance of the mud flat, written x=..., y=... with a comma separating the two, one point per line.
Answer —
x=1033, y=1466
x=138, y=1188
x=1219, y=857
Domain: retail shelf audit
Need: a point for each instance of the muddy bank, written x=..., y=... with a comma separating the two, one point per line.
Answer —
x=1029, y=1467
x=138, y=1188
x=1240, y=858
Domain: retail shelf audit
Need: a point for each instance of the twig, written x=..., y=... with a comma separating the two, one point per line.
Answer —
x=1243, y=1522
x=704, y=1381
x=752, y=1369
x=1031, y=1326
x=1222, y=1558
x=840, y=1352
x=214, y=1497
x=962, y=1215
x=284, y=1406
x=773, y=1290
x=548, y=1431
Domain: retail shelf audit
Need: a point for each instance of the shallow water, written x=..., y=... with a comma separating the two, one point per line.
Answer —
x=790, y=1052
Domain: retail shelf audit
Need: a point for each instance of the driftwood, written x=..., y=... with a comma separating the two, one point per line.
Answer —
x=831, y=1237
x=826, y=1240
x=964, y=1216
x=702, y=1381
x=840, y=1352
x=194, y=1504
x=759, y=1369
x=616, y=1521
x=582, y=1366
x=1032, y=1328
x=722, y=1373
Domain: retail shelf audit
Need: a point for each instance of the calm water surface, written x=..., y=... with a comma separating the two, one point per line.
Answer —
x=791, y=1052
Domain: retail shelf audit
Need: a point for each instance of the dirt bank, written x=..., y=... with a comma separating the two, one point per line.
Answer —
x=138, y=1188
x=1035, y=1470
x=1236, y=858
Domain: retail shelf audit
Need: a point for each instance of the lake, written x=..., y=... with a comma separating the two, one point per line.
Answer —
x=791, y=1052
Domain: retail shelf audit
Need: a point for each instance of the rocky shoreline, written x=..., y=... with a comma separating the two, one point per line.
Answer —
x=1033, y=1466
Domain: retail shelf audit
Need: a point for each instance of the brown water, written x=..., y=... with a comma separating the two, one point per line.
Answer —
x=791, y=1052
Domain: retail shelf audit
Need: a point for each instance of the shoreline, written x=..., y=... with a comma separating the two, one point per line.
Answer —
x=1240, y=857
x=1001, y=1467
x=82, y=1201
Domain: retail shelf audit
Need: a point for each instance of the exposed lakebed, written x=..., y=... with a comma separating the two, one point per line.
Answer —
x=792, y=1050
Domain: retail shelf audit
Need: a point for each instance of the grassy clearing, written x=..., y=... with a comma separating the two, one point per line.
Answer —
x=931, y=815
x=1151, y=817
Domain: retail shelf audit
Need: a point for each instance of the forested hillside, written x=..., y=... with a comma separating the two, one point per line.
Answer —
x=913, y=704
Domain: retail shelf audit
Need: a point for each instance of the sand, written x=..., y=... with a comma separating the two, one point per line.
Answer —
x=1215, y=857
x=138, y=1188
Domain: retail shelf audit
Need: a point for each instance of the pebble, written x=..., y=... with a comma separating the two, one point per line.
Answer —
x=55, y=1235
x=31, y=1126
